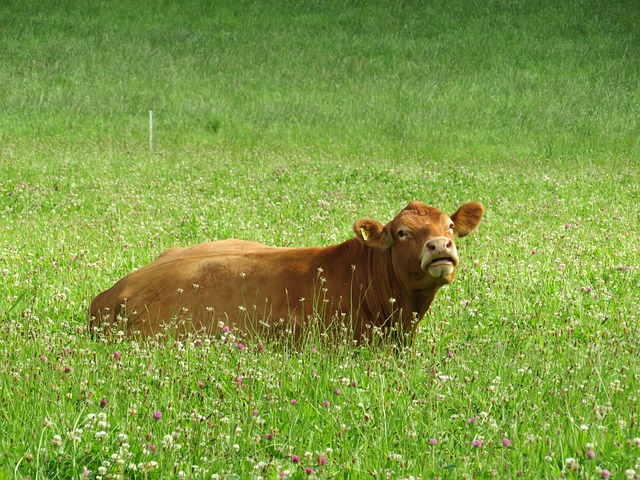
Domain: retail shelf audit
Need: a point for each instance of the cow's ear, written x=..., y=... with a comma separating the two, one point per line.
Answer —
x=467, y=218
x=372, y=233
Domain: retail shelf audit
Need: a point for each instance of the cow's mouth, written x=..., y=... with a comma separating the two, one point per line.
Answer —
x=441, y=267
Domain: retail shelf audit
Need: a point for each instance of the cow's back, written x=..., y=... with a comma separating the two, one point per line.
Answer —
x=244, y=285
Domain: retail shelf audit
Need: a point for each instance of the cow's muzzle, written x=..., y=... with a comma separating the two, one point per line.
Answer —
x=439, y=257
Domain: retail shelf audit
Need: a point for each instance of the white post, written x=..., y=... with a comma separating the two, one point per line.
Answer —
x=151, y=130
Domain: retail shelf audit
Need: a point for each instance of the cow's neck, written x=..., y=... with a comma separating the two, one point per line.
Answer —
x=387, y=304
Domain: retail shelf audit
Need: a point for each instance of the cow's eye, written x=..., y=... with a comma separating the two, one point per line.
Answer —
x=402, y=234
x=451, y=227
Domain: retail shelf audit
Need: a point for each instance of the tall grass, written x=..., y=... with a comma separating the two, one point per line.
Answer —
x=506, y=79
x=283, y=123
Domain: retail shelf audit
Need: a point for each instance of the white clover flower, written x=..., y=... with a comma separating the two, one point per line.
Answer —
x=167, y=441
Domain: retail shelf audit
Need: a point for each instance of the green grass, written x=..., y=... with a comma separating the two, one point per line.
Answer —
x=543, y=80
x=284, y=123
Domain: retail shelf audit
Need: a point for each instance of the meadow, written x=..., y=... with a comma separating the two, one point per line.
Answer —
x=283, y=122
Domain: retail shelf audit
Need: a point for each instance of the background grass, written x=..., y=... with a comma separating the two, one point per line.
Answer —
x=284, y=122
x=506, y=79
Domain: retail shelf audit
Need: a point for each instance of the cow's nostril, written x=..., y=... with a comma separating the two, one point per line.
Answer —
x=431, y=246
x=449, y=244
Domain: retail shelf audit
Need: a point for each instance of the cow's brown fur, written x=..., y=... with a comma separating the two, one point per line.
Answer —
x=379, y=281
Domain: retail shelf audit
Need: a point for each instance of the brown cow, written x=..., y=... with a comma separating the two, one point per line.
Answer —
x=381, y=282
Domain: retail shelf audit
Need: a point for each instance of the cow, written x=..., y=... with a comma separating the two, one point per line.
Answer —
x=377, y=284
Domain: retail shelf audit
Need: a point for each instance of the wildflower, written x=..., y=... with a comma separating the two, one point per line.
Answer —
x=519, y=473
x=630, y=473
x=326, y=403
x=255, y=413
x=57, y=440
x=67, y=369
x=104, y=402
x=293, y=401
x=433, y=441
x=476, y=443
x=472, y=420
x=571, y=464
x=308, y=470
x=157, y=415
x=337, y=391
x=167, y=441
x=506, y=442
x=605, y=473
x=239, y=380
x=295, y=459
x=591, y=454
x=116, y=355
x=322, y=460
x=269, y=436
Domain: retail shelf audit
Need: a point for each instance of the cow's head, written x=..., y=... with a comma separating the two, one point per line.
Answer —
x=421, y=240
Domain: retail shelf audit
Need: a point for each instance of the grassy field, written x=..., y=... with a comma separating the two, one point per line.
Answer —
x=283, y=122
